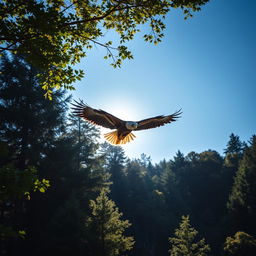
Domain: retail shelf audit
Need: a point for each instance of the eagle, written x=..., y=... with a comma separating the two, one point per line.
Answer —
x=123, y=129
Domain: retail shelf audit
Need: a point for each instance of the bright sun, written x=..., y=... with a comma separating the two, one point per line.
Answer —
x=123, y=110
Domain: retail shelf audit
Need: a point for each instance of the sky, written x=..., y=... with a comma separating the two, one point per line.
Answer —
x=205, y=65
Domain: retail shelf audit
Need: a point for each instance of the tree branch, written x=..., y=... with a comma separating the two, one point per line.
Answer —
x=93, y=18
x=2, y=49
x=115, y=8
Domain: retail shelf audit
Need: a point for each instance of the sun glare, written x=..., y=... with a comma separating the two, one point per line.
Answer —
x=123, y=110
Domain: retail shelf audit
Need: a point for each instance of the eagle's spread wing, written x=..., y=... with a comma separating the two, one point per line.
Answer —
x=95, y=116
x=157, y=121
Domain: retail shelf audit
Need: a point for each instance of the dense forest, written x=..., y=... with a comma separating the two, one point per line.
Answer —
x=64, y=193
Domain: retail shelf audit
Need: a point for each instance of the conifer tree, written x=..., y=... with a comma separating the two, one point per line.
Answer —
x=241, y=244
x=242, y=200
x=178, y=161
x=85, y=137
x=233, y=151
x=28, y=122
x=107, y=228
x=35, y=133
x=184, y=244
x=234, y=145
x=114, y=165
x=28, y=126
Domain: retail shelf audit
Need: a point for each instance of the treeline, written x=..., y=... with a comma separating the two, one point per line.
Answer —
x=63, y=193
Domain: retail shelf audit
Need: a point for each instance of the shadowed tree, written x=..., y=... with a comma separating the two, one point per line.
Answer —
x=178, y=162
x=28, y=125
x=115, y=160
x=85, y=139
x=233, y=151
x=234, y=145
x=77, y=174
x=35, y=132
x=144, y=206
x=242, y=200
x=240, y=244
x=64, y=232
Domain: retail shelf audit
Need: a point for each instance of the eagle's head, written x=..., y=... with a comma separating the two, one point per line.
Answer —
x=131, y=125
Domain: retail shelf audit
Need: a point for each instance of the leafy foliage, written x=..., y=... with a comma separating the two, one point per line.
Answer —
x=54, y=35
x=16, y=184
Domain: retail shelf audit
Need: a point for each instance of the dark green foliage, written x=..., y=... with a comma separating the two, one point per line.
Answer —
x=242, y=200
x=34, y=132
x=21, y=149
x=23, y=111
x=154, y=196
x=39, y=143
x=233, y=151
x=234, y=145
x=64, y=233
x=114, y=163
x=240, y=244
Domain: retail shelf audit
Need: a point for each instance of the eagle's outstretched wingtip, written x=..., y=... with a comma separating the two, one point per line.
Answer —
x=77, y=104
x=78, y=107
x=177, y=114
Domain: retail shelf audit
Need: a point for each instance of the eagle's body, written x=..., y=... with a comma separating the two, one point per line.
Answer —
x=123, y=132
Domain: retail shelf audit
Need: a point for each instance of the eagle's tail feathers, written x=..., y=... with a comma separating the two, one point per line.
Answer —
x=112, y=137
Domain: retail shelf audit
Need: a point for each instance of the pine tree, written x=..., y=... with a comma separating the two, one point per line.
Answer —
x=77, y=174
x=241, y=244
x=178, y=161
x=233, y=151
x=35, y=134
x=234, y=144
x=64, y=230
x=28, y=126
x=85, y=137
x=106, y=228
x=28, y=122
x=242, y=200
x=184, y=244
x=114, y=165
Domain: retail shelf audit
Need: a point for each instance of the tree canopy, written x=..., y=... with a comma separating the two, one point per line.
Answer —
x=54, y=35
x=44, y=150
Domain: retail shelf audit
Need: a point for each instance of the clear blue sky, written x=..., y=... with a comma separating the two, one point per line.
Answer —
x=205, y=65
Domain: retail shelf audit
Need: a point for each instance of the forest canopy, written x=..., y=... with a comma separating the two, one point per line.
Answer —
x=64, y=193
x=53, y=35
